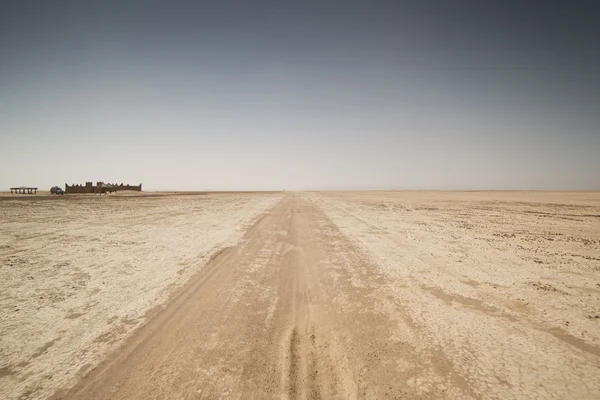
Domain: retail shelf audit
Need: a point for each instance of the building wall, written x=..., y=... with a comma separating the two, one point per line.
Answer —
x=129, y=187
x=87, y=188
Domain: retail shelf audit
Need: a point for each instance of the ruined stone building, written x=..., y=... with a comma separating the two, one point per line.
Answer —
x=89, y=188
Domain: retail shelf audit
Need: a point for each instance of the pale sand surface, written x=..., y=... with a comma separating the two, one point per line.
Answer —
x=492, y=295
x=78, y=273
x=506, y=285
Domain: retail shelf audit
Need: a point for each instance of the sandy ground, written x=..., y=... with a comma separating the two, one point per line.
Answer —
x=502, y=290
x=492, y=295
x=78, y=273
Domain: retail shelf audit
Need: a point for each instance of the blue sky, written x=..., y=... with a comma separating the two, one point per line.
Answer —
x=313, y=95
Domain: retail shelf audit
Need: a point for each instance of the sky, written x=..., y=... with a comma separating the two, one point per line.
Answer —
x=272, y=95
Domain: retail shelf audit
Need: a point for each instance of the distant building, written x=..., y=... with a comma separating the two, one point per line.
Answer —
x=89, y=188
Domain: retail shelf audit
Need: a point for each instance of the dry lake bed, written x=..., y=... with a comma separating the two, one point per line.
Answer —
x=463, y=295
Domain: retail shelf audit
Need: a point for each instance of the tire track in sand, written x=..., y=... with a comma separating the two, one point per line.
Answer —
x=293, y=311
x=244, y=327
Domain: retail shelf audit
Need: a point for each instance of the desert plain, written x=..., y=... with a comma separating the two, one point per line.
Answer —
x=458, y=295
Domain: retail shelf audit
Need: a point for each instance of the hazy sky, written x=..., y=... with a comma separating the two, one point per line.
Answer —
x=317, y=95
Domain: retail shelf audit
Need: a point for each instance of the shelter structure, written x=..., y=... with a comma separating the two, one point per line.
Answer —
x=23, y=190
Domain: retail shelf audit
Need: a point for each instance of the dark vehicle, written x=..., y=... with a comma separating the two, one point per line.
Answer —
x=56, y=190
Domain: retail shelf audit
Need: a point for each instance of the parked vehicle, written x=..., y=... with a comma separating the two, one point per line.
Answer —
x=56, y=190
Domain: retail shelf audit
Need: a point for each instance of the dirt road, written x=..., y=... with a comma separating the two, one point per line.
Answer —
x=319, y=302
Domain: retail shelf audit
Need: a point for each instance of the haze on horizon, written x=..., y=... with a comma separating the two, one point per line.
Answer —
x=233, y=95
